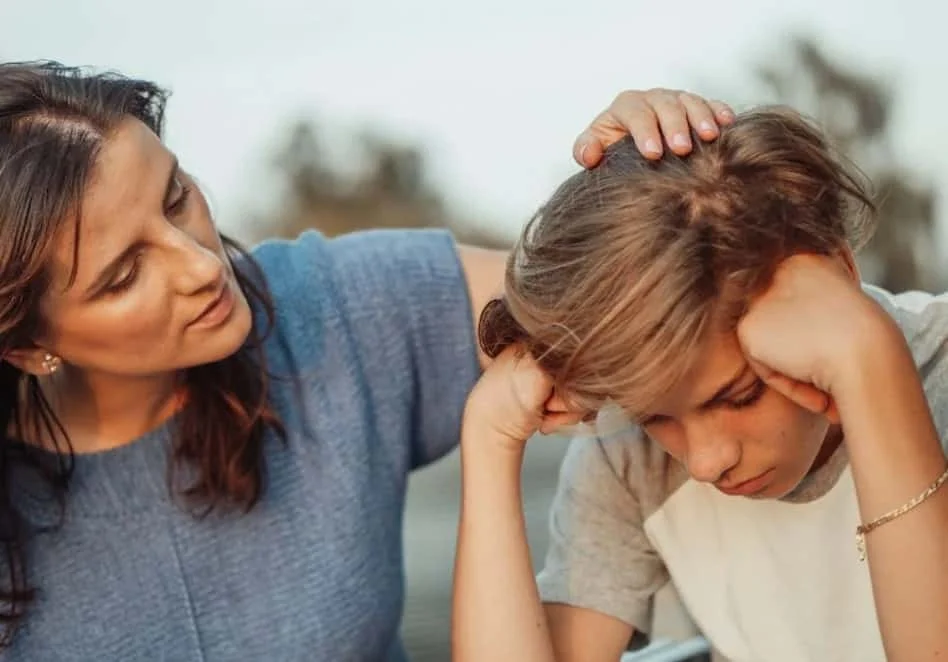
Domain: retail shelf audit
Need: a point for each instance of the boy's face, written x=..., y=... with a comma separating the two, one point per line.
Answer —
x=727, y=428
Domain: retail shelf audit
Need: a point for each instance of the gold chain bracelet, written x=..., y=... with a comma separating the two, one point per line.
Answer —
x=863, y=529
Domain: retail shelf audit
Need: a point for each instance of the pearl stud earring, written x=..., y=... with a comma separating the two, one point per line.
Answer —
x=51, y=363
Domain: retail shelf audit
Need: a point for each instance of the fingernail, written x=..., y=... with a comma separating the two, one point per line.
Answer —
x=706, y=127
x=582, y=153
x=680, y=140
x=652, y=147
x=727, y=114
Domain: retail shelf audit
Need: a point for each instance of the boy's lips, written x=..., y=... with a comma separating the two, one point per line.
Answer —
x=747, y=487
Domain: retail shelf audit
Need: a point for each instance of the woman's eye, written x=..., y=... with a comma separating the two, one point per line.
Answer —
x=127, y=279
x=178, y=199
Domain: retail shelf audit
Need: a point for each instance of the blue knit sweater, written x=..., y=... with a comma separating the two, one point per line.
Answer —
x=375, y=330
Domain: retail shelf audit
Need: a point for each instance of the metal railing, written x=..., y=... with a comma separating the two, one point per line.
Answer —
x=667, y=650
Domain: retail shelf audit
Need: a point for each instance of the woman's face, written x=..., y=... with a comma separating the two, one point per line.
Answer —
x=153, y=291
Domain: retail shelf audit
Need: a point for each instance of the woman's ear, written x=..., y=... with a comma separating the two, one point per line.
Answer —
x=34, y=361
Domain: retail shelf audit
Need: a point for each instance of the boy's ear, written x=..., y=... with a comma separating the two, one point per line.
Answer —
x=556, y=404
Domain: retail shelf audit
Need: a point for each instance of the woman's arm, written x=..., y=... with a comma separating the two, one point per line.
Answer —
x=484, y=272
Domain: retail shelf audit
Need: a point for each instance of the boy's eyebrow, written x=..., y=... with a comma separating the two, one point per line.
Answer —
x=725, y=388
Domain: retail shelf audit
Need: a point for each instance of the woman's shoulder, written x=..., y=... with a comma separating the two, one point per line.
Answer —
x=297, y=284
x=290, y=264
x=379, y=264
x=377, y=296
x=380, y=315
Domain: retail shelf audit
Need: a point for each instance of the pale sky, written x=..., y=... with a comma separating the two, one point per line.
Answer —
x=495, y=90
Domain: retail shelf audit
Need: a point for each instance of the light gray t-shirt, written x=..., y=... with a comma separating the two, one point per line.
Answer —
x=763, y=579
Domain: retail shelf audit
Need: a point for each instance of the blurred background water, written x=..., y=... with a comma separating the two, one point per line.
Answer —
x=347, y=115
x=431, y=522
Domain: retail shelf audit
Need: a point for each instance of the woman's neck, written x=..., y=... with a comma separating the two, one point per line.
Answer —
x=101, y=412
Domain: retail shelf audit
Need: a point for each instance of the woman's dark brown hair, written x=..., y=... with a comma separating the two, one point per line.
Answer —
x=618, y=278
x=53, y=123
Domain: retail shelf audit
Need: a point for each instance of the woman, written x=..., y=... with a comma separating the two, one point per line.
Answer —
x=207, y=450
x=757, y=406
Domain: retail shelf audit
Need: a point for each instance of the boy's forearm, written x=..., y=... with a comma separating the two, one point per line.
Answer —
x=895, y=455
x=497, y=614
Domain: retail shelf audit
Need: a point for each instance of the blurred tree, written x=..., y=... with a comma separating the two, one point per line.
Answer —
x=855, y=109
x=389, y=190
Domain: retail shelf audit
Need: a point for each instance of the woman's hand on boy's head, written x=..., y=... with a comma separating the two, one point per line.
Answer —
x=654, y=118
x=811, y=327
